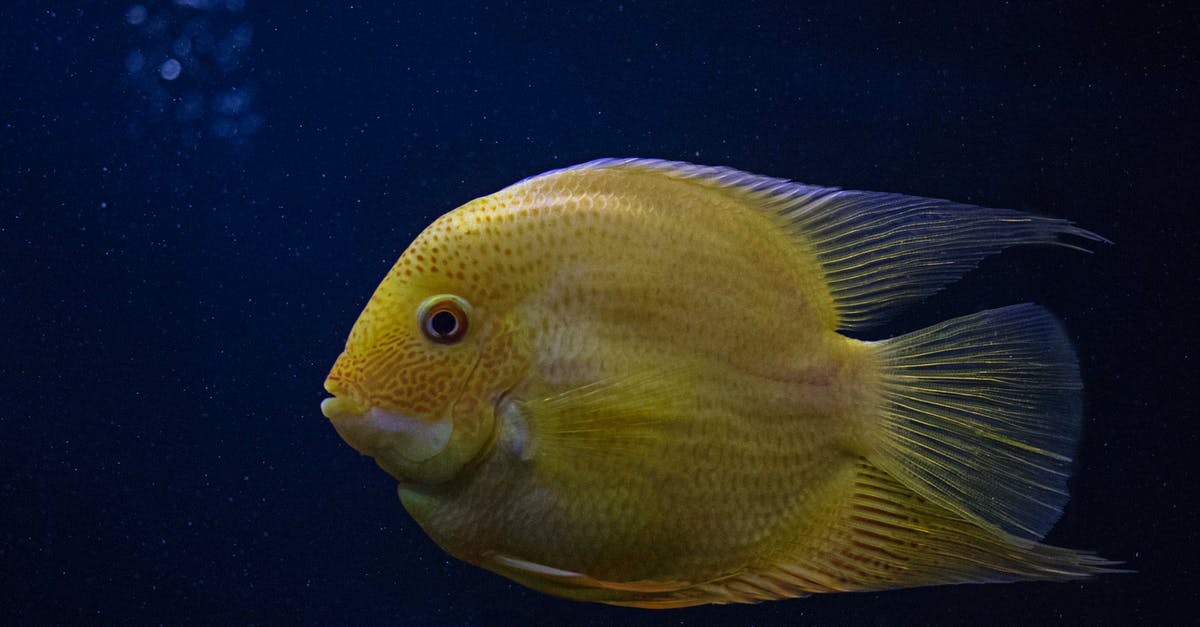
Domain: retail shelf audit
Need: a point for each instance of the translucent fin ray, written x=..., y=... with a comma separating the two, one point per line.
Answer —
x=982, y=415
x=887, y=537
x=617, y=415
x=892, y=538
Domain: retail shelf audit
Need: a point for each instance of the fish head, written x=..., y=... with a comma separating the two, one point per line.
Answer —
x=423, y=370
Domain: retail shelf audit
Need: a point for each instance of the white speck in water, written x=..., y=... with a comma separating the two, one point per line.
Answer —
x=170, y=69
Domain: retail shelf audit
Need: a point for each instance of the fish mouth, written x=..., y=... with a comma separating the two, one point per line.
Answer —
x=394, y=439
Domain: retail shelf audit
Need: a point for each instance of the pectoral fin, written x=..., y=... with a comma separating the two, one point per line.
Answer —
x=616, y=415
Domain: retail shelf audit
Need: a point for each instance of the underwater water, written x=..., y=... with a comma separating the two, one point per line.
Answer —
x=197, y=198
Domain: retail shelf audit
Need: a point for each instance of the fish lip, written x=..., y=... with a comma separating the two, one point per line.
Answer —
x=339, y=407
x=373, y=431
x=344, y=399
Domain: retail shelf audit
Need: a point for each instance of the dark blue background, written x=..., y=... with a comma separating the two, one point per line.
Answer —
x=180, y=262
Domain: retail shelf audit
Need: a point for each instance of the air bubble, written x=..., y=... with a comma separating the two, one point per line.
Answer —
x=210, y=40
x=136, y=15
x=135, y=61
x=170, y=69
x=231, y=102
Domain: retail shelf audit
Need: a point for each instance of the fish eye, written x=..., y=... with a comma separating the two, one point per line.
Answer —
x=443, y=318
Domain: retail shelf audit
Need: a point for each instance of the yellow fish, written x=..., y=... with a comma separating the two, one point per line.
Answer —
x=625, y=382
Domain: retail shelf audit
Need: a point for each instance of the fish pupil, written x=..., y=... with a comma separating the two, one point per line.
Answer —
x=443, y=324
x=444, y=319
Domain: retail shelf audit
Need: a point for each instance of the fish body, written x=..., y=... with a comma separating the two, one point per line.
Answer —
x=626, y=382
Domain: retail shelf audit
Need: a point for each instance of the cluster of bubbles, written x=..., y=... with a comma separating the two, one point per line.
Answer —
x=187, y=63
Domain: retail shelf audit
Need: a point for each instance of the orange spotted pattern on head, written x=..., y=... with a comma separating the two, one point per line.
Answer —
x=471, y=253
x=401, y=375
x=494, y=252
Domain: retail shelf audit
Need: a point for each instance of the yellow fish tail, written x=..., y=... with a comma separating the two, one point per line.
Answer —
x=981, y=415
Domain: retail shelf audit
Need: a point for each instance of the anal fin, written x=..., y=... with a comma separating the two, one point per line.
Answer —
x=882, y=536
x=888, y=537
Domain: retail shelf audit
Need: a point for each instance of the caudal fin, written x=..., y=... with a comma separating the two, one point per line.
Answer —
x=981, y=415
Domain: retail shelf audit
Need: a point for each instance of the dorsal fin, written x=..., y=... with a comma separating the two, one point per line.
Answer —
x=879, y=251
